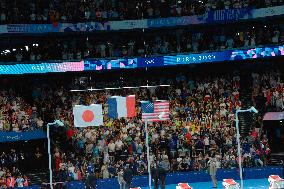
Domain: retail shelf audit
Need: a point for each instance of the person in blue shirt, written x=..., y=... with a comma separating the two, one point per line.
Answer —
x=20, y=181
x=90, y=168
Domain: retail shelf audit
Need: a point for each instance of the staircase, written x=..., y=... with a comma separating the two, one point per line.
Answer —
x=276, y=158
x=38, y=178
x=246, y=119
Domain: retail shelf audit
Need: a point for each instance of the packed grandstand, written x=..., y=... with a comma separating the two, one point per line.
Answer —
x=203, y=99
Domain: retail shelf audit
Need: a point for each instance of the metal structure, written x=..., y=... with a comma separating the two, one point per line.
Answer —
x=60, y=124
x=251, y=109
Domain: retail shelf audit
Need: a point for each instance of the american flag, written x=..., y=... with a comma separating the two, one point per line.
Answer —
x=154, y=112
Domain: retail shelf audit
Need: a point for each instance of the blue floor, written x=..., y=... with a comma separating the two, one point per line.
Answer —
x=248, y=184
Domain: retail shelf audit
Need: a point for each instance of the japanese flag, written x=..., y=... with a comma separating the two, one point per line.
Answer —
x=85, y=116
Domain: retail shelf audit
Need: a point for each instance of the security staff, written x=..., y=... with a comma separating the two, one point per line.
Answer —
x=162, y=173
x=91, y=181
x=212, y=170
x=127, y=176
x=155, y=176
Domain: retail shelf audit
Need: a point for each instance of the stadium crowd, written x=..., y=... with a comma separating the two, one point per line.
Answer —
x=201, y=125
x=270, y=86
x=144, y=44
x=202, y=115
x=53, y=11
x=16, y=114
x=10, y=174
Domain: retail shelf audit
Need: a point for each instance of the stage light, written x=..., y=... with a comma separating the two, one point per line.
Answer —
x=94, y=89
x=112, y=88
x=77, y=90
x=130, y=87
x=148, y=86
x=160, y=100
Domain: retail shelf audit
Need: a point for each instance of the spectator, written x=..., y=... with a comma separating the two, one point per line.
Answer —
x=127, y=176
x=201, y=124
x=152, y=44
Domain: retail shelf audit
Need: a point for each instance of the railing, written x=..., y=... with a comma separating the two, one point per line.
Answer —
x=174, y=178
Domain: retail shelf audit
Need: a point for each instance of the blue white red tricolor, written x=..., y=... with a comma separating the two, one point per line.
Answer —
x=119, y=107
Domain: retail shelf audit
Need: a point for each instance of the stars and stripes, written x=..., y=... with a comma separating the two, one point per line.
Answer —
x=154, y=112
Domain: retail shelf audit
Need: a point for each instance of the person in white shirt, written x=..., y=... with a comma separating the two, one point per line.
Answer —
x=20, y=181
x=118, y=145
x=71, y=168
x=111, y=148
x=39, y=122
x=1, y=125
x=212, y=170
x=120, y=179
x=104, y=171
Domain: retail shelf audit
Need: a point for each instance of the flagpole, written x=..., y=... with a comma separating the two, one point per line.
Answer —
x=148, y=154
x=49, y=155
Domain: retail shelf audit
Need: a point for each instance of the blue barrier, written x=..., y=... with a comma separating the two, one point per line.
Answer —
x=30, y=187
x=191, y=177
x=17, y=136
x=258, y=173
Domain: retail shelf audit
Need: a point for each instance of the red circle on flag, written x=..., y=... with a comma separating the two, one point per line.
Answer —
x=88, y=116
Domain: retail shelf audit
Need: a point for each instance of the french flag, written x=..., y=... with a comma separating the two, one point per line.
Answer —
x=119, y=106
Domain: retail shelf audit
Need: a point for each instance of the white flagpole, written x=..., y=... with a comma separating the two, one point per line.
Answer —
x=148, y=154
x=239, y=150
x=49, y=157
x=60, y=124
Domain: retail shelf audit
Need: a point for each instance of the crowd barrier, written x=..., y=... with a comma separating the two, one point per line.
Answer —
x=18, y=136
x=190, y=177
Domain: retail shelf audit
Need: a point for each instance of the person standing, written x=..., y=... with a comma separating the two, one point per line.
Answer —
x=20, y=181
x=212, y=170
x=10, y=181
x=91, y=181
x=162, y=173
x=120, y=179
x=127, y=176
x=38, y=159
x=155, y=176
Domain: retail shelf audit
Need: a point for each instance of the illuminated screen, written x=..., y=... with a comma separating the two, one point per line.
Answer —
x=131, y=63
